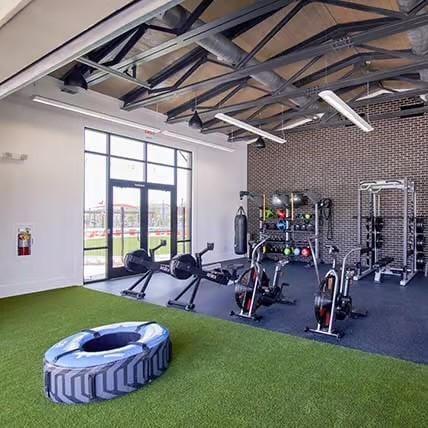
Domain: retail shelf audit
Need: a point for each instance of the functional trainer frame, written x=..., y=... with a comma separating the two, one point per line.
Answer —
x=382, y=266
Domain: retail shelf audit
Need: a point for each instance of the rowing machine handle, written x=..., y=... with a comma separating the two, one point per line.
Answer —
x=209, y=247
x=161, y=244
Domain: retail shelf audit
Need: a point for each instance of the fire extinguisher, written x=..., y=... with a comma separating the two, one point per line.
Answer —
x=24, y=243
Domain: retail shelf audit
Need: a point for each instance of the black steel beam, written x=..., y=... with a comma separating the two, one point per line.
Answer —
x=133, y=40
x=167, y=72
x=373, y=117
x=228, y=96
x=333, y=68
x=416, y=82
x=355, y=81
x=268, y=37
x=360, y=103
x=337, y=31
x=344, y=63
x=403, y=54
x=192, y=56
x=98, y=54
x=364, y=8
x=162, y=29
x=194, y=16
x=189, y=72
x=259, y=8
x=214, y=92
x=113, y=72
x=306, y=53
x=418, y=7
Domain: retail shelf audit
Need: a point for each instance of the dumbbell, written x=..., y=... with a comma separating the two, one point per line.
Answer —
x=420, y=261
x=420, y=242
x=379, y=240
x=378, y=224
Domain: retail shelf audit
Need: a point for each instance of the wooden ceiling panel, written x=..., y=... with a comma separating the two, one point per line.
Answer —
x=342, y=15
x=397, y=41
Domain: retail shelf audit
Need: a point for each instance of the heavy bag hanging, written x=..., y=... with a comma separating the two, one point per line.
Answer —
x=241, y=232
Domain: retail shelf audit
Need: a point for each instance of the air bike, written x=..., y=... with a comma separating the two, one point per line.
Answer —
x=253, y=288
x=332, y=301
x=181, y=267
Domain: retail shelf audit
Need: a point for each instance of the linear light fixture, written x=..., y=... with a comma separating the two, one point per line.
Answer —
x=249, y=128
x=195, y=141
x=331, y=98
x=299, y=122
x=92, y=113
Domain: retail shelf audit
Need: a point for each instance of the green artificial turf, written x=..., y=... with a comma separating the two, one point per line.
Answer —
x=223, y=374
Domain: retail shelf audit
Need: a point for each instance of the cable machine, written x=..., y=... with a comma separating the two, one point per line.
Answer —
x=374, y=224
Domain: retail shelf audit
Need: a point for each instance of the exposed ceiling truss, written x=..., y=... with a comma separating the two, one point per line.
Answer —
x=113, y=61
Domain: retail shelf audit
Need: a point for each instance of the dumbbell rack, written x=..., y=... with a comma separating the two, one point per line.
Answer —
x=280, y=239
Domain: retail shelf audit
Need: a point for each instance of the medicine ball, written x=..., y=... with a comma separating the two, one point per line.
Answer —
x=280, y=200
x=298, y=199
x=288, y=251
x=306, y=252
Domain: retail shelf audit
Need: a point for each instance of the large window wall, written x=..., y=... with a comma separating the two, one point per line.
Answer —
x=110, y=159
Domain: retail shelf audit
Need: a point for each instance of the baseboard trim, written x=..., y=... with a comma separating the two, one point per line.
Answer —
x=34, y=287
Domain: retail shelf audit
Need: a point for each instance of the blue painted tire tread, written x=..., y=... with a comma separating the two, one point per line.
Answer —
x=108, y=381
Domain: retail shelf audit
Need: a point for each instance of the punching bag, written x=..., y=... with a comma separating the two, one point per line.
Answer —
x=241, y=232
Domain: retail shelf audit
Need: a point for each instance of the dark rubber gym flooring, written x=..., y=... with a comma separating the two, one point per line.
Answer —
x=397, y=323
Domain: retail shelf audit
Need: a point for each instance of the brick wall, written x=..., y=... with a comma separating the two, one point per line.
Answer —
x=331, y=161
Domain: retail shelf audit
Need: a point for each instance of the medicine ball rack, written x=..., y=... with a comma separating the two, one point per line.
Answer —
x=291, y=229
x=412, y=230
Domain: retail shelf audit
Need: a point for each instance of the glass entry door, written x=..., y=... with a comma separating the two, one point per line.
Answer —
x=139, y=216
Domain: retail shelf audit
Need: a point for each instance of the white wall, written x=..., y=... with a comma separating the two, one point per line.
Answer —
x=46, y=190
